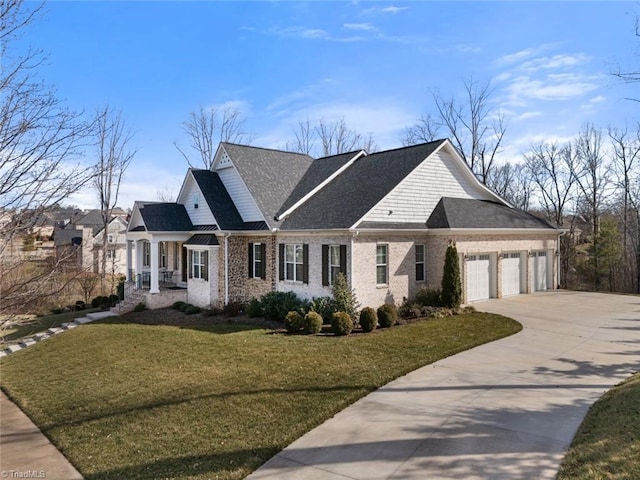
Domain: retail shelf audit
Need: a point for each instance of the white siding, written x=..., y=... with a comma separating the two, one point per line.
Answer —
x=240, y=195
x=413, y=199
x=136, y=220
x=201, y=215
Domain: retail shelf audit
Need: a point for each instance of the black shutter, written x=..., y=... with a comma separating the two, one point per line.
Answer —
x=205, y=274
x=305, y=263
x=190, y=262
x=281, y=260
x=325, y=265
x=263, y=262
x=343, y=260
x=250, y=260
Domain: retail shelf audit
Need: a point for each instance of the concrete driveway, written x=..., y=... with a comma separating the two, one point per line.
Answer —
x=508, y=409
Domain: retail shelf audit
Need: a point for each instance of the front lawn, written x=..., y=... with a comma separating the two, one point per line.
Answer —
x=607, y=445
x=124, y=400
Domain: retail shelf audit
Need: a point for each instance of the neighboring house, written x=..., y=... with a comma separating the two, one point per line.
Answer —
x=263, y=220
x=80, y=242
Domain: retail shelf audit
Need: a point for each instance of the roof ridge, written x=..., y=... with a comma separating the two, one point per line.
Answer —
x=269, y=149
x=406, y=147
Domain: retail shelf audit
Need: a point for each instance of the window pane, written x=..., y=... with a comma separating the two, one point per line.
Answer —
x=381, y=274
x=334, y=254
x=419, y=253
x=257, y=252
x=299, y=254
x=289, y=272
x=381, y=254
x=334, y=273
x=289, y=252
x=299, y=272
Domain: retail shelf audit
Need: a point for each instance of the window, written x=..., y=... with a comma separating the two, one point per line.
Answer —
x=111, y=254
x=110, y=238
x=419, y=263
x=199, y=265
x=381, y=264
x=146, y=254
x=334, y=261
x=163, y=254
x=196, y=200
x=294, y=262
x=257, y=260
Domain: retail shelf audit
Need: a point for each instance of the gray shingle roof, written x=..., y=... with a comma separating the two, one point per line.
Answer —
x=468, y=213
x=65, y=236
x=318, y=171
x=165, y=217
x=218, y=199
x=270, y=175
x=354, y=192
x=200, y=239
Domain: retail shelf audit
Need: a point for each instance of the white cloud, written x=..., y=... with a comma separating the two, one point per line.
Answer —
x=598, y=99
x=528, y=115
x=521, y=55
x=391, y=9
x=367, y=27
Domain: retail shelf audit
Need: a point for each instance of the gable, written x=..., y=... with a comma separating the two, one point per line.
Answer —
x=136, y=221
x=415, y=197
x=194, y=201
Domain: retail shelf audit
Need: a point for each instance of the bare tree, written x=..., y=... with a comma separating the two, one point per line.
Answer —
x=41, y=143
x=207, y=127
x=333, y=138
x=512, y=182
x=426, y=130
x=113, y=156
x=475, y=129
x=625, y=161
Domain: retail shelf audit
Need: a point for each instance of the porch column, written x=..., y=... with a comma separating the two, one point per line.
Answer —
x=155, y=284
x=129, y=263
x=139, y=260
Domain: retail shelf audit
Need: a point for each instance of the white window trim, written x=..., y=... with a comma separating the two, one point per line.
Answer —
x=331, y=265
x=385, y=265
x=200, y=264
x=257, y=264
x=423, y=262
x=295, y=263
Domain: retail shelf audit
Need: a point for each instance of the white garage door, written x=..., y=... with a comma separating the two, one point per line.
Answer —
x=511, y=274
x=478, y=277
x=539, y=270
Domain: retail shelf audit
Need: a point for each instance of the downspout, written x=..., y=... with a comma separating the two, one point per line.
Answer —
x=558, y=259
x=226, y=268
x=351, y=259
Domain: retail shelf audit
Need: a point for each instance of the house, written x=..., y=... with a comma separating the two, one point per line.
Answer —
x=262, y=220
x=79, y=241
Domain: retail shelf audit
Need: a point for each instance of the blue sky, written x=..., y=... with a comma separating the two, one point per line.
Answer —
x=371, y=63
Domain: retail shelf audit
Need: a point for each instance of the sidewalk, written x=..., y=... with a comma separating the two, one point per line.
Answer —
x=25, y=452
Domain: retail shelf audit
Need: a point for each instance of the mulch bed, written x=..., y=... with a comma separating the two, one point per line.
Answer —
x=176, y=318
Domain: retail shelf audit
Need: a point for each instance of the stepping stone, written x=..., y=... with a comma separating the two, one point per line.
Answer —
x=3, y=353
x=100, y=315
x=13, y=348
x=69, y=326
x=82, y=321
x=40, y=336
x=27, y=342
x=53, y=331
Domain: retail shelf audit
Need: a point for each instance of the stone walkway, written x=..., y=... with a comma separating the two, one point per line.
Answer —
x=38, y=337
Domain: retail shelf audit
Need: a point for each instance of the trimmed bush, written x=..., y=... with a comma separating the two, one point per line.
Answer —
x=98, y=301
x=325, y=306
x=80, y=305
x=293, y=321
x=232, y=309
x=184, y=306
x=113, y=299
x=56, y=311
x=429, y=297
x=341, y=323
x=254, y=309
x=312, y=323
x=387, y=315
x=276, y=305
x=140, y=307
x=177, y=305
x=368, y=319
x=192, y=309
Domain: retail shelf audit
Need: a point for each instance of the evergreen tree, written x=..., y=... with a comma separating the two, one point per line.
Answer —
x=344, y=297
x=451, y=286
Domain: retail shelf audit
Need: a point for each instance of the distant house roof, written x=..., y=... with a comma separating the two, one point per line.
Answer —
x=165, y=217
x=64, y=236
x=349, y=196
x=270, y=175
x=468, y=213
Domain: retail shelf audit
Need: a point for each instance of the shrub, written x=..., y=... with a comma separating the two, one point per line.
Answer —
x=140, y=307
x=312, y=323
x=325, y=306
x=177, y=305
x=387, y=315
x=429, y=297
x=368, y=319
x=80, y=305
x=293, y=321
x=192, y=309
x=409, y=310
x=98, y=301
x=232, y=309
x=184, y=306
x=344, y=297
x=254, y=309
x=113, y=300
x=56, y=311
x=211, y=312
x=451, y=286
x=275, y=305
x=341, y=323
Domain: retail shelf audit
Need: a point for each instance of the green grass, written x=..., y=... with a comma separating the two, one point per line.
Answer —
x=41, y=324
x=130, y=401
x=607, y=445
